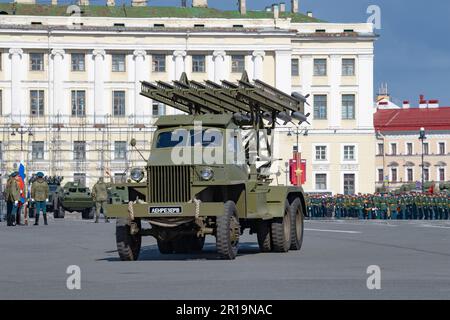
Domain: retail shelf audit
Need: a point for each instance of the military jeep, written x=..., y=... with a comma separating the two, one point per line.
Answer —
x=74, y=197
x=183, y=201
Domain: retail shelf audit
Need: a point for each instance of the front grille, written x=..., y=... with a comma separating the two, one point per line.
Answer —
x=170, y=184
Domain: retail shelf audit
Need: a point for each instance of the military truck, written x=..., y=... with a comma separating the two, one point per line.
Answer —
x=74, y=197
x=185, y=201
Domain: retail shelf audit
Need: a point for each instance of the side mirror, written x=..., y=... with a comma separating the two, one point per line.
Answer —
x=133, y=142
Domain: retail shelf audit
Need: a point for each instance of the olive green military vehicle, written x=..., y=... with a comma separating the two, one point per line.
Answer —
x=74, y=197
x=184, y=196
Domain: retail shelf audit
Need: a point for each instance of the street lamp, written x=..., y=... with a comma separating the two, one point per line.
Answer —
x=298, y=131
x=22, y=131
x=422, y=137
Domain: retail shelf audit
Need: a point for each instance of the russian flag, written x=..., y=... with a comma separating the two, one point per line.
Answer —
x=22, y=184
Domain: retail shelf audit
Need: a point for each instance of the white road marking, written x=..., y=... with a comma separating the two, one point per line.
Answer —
x=432, y=226
x=336, y=231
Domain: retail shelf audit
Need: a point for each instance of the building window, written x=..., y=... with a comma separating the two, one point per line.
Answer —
x=120, y=150
x=426, y=148
x=441, y=174
x=409, y=149
x=381, y=149
x=349, y=153
x=321, y=153
x=320, y=67
x=394, y=176
x=348, y=107
x=410, y=174
x=37, y=103
x=237, y=63
x=119, y=103
x=349, y=183
x=159, y=63
x=198, y=64
x=320, y=107
x=36, y=61
x=348, y=67
x=79, y=150
x=80, y=178
x=118, y=62
x=393, y=149
x=321, y=181
x=380, y=175
x=426, y=174
x=120, y=178
x=78, y=103
x=442, y=148
x=295, y=68
x=77, y=61
x=158, y=109
x=37, y=150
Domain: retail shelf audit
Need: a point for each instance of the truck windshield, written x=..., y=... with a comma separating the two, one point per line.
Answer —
x=183, y=138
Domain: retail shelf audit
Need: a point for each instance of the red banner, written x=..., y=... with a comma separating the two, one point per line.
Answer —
x=297, y=171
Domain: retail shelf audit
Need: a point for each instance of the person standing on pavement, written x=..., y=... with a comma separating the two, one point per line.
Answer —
x=100, y=196
x=39, y=195
x=12, y=198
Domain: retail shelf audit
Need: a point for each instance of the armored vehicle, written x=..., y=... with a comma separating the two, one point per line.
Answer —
x=54, y=185
x=75, y=197
x=209, y=172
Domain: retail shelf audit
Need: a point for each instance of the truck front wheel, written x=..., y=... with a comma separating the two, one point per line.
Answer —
x=296, y=224
x=228, y=232
x=165, y=246
x=281, y=231
x=128, y=245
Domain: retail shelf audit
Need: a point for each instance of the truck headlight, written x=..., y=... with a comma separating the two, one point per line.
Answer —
x=137, y=174
x=206, y=173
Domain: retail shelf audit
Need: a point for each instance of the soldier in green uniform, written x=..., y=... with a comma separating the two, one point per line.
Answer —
x=39, y=195
x=419, y=206
x=339, y=206
x=383, y=213
x=392, y=202
x=359, y=206
x=12, y=196
x=100, y=196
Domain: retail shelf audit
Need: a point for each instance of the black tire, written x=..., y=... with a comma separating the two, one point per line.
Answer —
x=281, y=231
x=181, y=245
x=85, y=214
x=264, y=238
x=91, y=213
x=297, y=224
x=197, y=244
x=128, y=246
x=165, y=247
x=228, y=231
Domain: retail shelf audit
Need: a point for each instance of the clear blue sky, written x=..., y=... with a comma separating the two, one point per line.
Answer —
x=412, y=54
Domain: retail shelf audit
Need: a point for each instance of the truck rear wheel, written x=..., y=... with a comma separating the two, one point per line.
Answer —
x=228, y=232
x=281, y=231
x=296, y=224
x=165, y=246
x=264, y=238
x=128, y=245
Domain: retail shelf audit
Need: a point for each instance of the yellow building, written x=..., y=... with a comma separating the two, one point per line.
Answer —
x=70, y=83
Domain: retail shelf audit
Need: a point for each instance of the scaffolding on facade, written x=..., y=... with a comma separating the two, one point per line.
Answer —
x=74, y=147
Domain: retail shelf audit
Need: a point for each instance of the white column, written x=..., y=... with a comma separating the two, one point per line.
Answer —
x=16, y=106
x=179, y=57
x=99, y=104
x=57, y=56
x=306, y=74
x=335, y=103
x=139, y=75
x=283, y=79
x=365, y=98
x=219, y=65
x=258, y=66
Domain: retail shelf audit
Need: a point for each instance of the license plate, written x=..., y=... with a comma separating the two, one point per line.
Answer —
x=165, y=210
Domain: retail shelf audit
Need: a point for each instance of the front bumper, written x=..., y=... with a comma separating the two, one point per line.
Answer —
x=187, y=210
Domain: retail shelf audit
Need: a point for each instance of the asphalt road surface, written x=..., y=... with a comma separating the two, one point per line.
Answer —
x=413, y=257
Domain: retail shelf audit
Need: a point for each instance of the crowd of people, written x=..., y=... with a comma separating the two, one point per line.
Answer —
x=406, y=206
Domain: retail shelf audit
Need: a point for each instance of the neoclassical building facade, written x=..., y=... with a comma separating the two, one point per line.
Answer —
x=70, y=89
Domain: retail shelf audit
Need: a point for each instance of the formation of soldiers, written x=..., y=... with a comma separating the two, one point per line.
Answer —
x=18, y=199
x=405, y=206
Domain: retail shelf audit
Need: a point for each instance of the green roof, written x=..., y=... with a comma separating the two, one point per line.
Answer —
x=145, y=12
